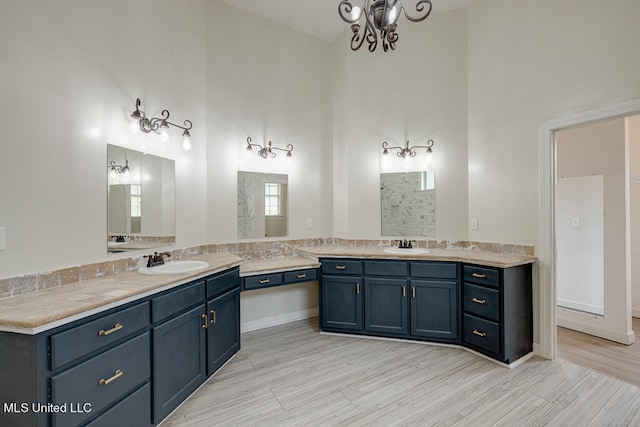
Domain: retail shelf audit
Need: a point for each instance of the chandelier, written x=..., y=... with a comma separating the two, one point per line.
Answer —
x=380, y=21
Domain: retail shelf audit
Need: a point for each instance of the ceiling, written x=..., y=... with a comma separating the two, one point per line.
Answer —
x=319, y=18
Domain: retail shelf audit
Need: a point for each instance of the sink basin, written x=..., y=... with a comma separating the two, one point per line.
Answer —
x=406, y=251
x=175, y=267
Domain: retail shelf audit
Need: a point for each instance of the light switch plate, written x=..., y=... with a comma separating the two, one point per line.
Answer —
x=309, y=223
x=474, y=223
x=3, y=238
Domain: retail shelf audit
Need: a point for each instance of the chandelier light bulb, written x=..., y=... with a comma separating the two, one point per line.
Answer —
x=356, y=12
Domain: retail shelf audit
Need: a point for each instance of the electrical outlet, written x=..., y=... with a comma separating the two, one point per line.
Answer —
x=575, y=221
x=3, y=238
x=309, y=223
x=474, y=223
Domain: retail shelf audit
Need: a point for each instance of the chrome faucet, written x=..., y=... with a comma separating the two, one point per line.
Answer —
x=405, y=244
x=156, y=258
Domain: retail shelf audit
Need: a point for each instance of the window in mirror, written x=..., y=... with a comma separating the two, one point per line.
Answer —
x=408, y=204
x=140, y=201
x=262, y=205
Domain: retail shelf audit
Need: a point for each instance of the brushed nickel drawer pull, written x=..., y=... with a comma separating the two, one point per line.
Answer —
x=479, y=276
x=480, y=334
x=204, y=323
x=357, y=288
x=413, y=292
x=117, y=374
x=301, y=276
x=263, y=281
x=341, y=267
x=213, y=317
x=404, y=292
x=115, y=328
x=479, y=301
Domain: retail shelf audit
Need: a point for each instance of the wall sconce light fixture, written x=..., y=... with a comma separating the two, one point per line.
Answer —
x=159, y=125
x=267, y=151
x=381, y=17
x=407, y=150
x=117, y=169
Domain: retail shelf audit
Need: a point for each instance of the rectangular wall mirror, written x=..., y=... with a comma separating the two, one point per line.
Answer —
x=140, y=200
x=408, y=204
x=262, y=205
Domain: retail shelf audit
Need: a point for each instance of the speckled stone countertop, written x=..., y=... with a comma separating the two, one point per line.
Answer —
x=276, y=265
x=39, y=311
x=486, y=258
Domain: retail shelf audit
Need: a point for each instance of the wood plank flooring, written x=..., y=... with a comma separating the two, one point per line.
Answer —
x=290, y=375
x=611, y=358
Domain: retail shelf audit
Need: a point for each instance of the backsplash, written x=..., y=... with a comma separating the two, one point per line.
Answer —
x=247, y=250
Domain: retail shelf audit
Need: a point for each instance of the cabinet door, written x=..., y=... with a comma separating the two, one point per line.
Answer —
x=179, y=349
x=341, y=303
x=223, y=333
x=385, y=306
x=434, y=309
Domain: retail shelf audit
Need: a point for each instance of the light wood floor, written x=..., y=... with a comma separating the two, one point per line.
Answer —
x=290, y=375
x=618, y=360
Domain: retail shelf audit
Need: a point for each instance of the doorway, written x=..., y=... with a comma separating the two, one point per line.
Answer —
x=547, y=273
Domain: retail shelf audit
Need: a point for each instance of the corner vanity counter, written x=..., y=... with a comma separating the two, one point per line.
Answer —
x=124, y=349
x=258, y=274
x=478, y=299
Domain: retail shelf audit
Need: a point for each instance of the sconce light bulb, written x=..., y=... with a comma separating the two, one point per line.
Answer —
x=164, y=135
x=134, y=127
x=112, y=174
x=186, y=143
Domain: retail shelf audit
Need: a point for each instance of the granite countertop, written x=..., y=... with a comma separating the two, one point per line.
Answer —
x=486, y=258
x=276, y=265
x=36, y=312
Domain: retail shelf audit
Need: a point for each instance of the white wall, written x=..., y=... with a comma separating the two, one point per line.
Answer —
x=530, y=62
x=70, y=73
x=417, y=92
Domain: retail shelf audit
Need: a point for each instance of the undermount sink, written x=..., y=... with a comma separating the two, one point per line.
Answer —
x=407, y=251
x=175, y=267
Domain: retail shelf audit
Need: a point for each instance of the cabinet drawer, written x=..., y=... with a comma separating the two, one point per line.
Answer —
x=263, y=281
x=482, y=333
x=76, y=342
x=176, y=301
x=134, y=410
x=482, y=301
x=300, y=276
x=222, y=282
x=386, y=268
x=101, y=380
x=481, y=275
x=434, y=270
x=341, y=266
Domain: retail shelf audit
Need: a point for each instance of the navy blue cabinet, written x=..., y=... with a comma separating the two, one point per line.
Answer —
x=498, y=311
x=223, y=332
x=341, y=303
x=179, y=360
x=386, y=306
x=434, y=309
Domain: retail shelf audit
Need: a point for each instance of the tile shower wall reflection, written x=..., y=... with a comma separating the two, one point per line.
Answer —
x=408, y=204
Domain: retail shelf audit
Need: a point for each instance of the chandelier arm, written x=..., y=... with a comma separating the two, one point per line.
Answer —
x=420, y=8
x=358, y=39
x=344, y=10
x=187, y=125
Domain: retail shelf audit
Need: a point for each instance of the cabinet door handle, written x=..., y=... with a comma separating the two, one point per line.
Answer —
x=478, y=301
x=301, y=276
x=404, y=292
x=478, y=333
x=341, y=267
x=204, y=321
x=117, y=374
x=263, y=281
x=213, y=317
x=115, y=328
x=479, y=276
x=357, y=288
x=413, y=292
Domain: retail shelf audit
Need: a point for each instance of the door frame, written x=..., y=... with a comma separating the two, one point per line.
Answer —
x=547, y=167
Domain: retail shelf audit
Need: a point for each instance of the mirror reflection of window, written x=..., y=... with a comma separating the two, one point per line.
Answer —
x=272, y=205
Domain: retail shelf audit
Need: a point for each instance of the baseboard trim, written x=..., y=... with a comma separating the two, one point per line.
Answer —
x=620, y=337
x=278, y=319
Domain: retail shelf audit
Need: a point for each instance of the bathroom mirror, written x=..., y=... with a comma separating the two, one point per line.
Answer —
x=140, y=200
x=408, y=204
x=262, y=205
